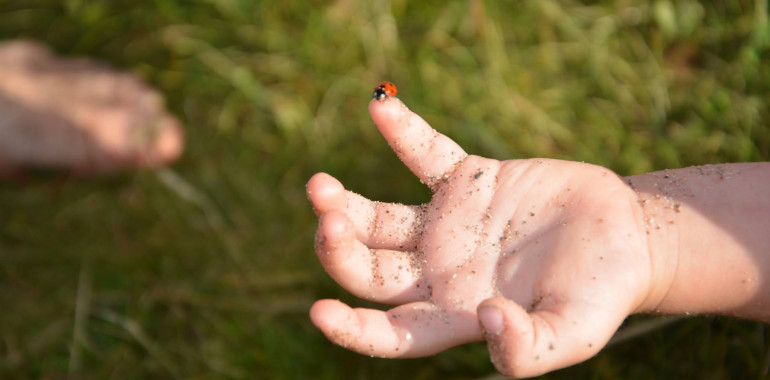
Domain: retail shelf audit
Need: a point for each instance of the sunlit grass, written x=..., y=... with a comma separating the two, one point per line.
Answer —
x=207, y=270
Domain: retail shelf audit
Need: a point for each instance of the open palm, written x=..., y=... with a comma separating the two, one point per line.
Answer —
x=550, y=255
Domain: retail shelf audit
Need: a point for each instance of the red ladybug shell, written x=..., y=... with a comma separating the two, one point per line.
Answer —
x=384, y=90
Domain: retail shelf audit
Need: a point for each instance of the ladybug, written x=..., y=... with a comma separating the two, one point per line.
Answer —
x=384, y=90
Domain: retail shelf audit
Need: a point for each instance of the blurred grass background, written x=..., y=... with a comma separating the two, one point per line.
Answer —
x=206, y=271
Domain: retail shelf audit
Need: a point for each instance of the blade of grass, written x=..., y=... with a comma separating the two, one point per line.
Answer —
x=82, y=310
x=135, y=330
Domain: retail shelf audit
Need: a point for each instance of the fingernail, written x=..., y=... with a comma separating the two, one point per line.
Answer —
x=491, y=319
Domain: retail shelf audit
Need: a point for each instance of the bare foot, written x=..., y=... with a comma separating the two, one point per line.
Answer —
x=78, y=115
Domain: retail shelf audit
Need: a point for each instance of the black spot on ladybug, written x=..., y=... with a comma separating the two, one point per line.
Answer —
x=384, y=90
x=379, y=94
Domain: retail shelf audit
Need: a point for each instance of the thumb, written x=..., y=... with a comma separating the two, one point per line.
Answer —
x=526, y=344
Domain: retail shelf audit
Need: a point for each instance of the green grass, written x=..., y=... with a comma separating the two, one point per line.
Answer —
x=206, y=271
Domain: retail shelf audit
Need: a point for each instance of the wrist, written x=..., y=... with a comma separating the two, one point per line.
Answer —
x=657, y=218
x=708, y=239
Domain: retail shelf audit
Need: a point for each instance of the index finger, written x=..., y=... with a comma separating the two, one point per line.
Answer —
x=430, y=155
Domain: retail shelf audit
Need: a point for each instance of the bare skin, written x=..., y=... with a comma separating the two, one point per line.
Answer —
x=78, y=115
x=541, y=258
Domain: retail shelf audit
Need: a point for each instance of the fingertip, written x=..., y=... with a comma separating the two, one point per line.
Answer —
x=315, y=178
x=333, y=241
x=491, y=320
x=387, y=114
x=169, y=144
x=325, y=192
x=387, y=107
x=336, y=320
x=323, y=183
x=500, y=317
x=513, y=312
x=507, y=328
x=325, y=313
x=316, y=312
x=335, y=225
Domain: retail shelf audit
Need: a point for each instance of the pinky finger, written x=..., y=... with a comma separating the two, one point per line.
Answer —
x=407, y=331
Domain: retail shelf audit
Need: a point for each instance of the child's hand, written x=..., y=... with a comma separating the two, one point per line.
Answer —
x=542, y=258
